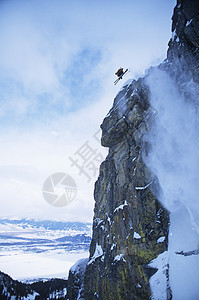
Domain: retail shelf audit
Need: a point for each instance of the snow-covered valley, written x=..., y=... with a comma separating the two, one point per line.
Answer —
x=33, y=249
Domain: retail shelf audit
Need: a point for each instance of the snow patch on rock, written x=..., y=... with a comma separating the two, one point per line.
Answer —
x=161, y=239
x=159, y=282
x=119, y=257
x=136, y=235
x=98, y=252
x=121, y=206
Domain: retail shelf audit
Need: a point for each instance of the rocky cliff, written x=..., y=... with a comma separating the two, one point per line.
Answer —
x=183, y=52
x=130, y=226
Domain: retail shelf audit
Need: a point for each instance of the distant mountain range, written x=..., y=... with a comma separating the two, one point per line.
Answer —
x=40, y=236
x=46, y=224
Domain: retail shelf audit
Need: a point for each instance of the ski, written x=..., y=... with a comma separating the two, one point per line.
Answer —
x=120, y=77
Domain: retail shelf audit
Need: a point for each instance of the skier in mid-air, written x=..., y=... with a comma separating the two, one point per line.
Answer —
x=120, y=73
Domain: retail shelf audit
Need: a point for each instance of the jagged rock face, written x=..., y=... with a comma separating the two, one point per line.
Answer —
x=183, y=52
x=75, y=288
x=128, y=221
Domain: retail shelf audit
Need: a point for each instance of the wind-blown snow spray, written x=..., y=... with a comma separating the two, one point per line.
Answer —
x=174, y=159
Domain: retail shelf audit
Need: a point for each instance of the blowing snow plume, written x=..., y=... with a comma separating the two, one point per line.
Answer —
x=174, y=159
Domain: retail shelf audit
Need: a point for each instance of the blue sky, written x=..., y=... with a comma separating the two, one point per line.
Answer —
x=57, y=65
